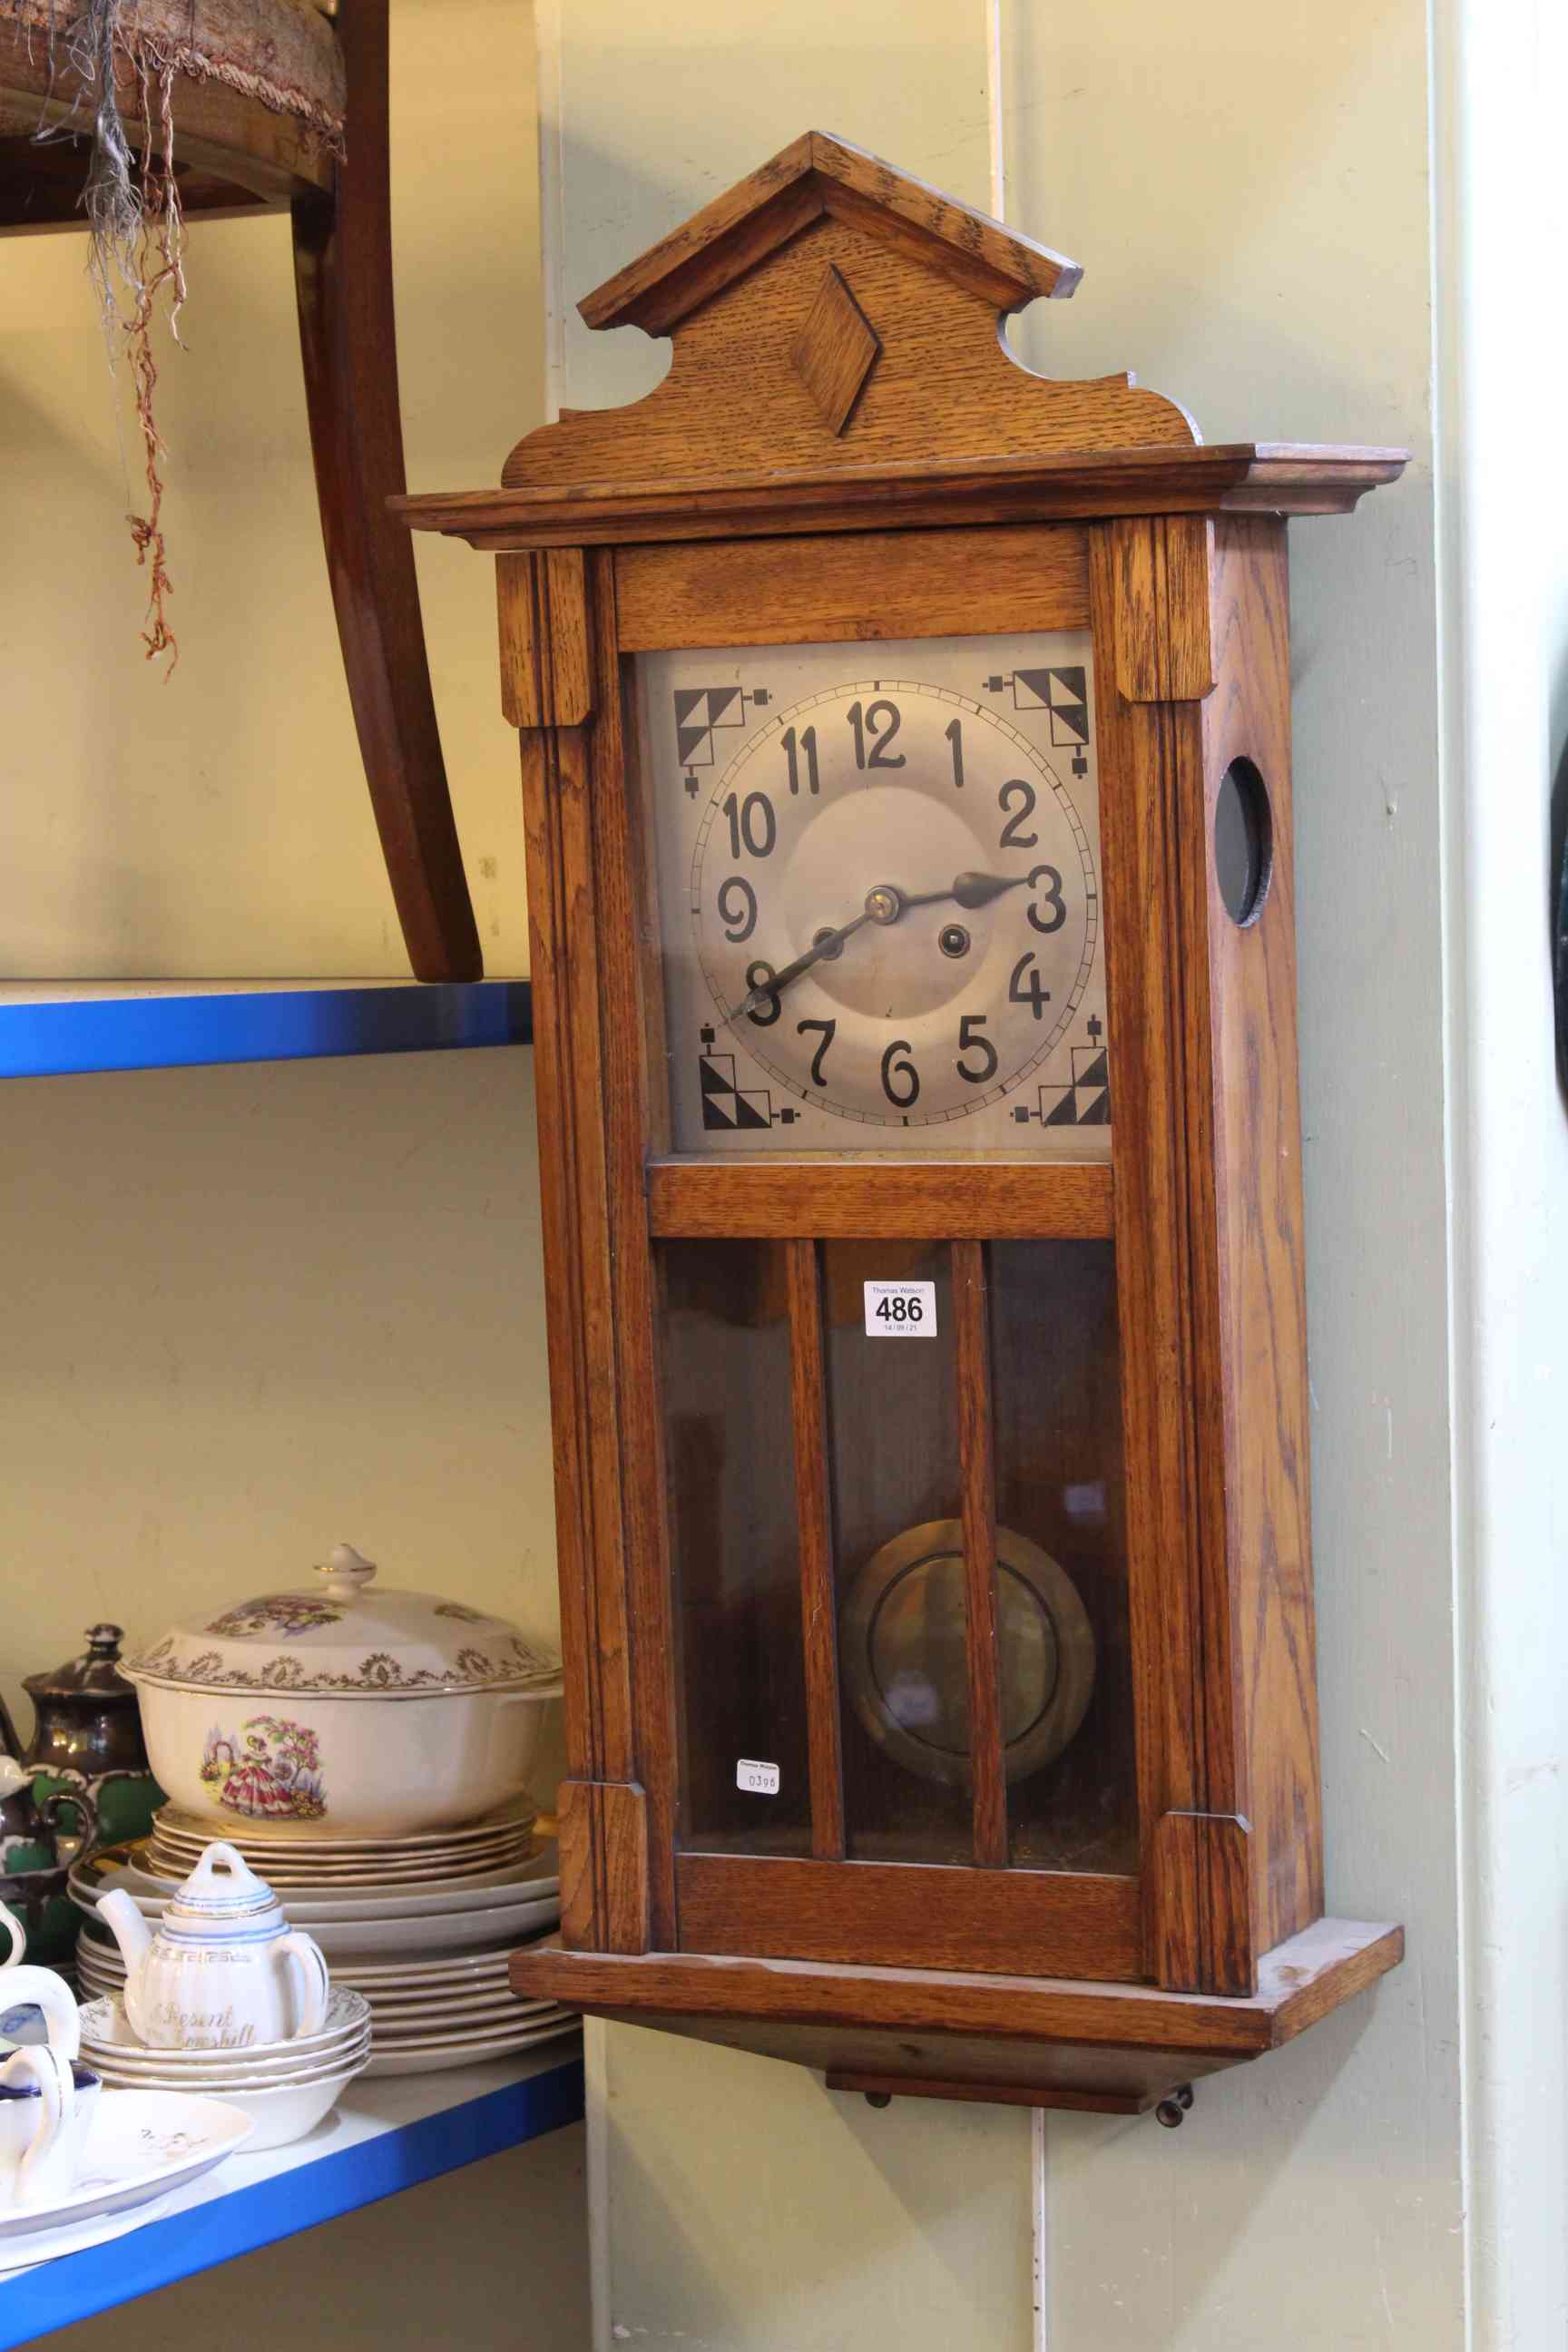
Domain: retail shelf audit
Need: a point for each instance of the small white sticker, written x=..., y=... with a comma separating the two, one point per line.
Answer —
x=760, y=1779
x=900, y=1310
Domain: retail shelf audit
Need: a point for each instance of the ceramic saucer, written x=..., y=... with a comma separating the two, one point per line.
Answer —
x=139, y=2147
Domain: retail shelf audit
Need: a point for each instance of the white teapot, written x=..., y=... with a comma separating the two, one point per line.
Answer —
x=224, y=1971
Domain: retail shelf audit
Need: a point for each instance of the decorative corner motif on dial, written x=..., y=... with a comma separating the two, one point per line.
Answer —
x=1064, y=694
x=699, y=713
x=1084, y=1100
x=727, y=1106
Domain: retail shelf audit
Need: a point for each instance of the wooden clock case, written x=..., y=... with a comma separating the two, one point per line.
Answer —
x=845, y=449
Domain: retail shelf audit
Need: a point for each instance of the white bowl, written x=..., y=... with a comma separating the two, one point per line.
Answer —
x=388, y=1764
x=286, y=2113
x=135, y=2075
x=125, y=2065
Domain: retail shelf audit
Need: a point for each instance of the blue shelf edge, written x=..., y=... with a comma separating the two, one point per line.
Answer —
x=79, y=2287
x=84, y=1036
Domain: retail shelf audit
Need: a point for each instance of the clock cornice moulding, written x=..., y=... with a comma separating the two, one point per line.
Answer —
x=839, y=364
x=1241, y=476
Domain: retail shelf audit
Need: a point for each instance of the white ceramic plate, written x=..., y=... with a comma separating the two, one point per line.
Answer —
x=430, y=1999
x=201, y=1830
x=454, y=1968
x=48, y=2245
x=369, y=1875
x=502, y=1929
x=437, y=2061
x=519, y=1883
x=436, y=2036
x=432, y=2024
x=329, y=1864
x=139, y=2146
x=492, y=2029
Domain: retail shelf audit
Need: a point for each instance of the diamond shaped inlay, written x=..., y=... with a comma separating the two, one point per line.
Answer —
x=837, y=351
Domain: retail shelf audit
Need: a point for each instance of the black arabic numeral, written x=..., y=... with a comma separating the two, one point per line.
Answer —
x=968, y=1036
x=882, y=721
x=828, y=1029
x=1011, y=836
x=1052, y=902
x=752, y=824
x=758, y=976
x=1029, y=993
x=746, y=917
x=954, y=733
x=807, y=744
x=891, y=1068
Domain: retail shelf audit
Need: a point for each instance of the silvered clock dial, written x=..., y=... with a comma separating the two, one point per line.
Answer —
x=878, y=896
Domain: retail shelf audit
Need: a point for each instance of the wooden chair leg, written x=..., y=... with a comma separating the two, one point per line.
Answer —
x=343, y=270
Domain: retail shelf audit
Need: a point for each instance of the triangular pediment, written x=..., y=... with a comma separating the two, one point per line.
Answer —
x=815, y=175
x=830, y=313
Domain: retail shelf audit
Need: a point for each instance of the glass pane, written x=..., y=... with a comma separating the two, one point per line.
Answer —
x=728, y=1433
x=893, y=1426
x=1061, y=1545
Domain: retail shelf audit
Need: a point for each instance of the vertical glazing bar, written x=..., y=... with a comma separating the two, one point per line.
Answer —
x=813, y=1510
x=977, y=1467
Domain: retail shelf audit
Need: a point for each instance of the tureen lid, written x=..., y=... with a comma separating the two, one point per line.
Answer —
x=348, y=1638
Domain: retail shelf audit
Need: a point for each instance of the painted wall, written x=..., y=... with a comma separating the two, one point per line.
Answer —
x=258, y=1309
x=218, y=826
x=1252, y=208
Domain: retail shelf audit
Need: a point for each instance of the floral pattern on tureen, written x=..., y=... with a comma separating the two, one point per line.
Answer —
x=276, y=1612
x=347, y=1638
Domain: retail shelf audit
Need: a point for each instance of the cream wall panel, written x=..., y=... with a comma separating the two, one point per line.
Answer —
x=219, y=826
x=250, y=1311
x=1251, y=207
x=1249, y=194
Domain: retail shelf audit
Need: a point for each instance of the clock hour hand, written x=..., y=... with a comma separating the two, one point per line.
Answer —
x=827, y=943
x=970, y=891
x=973, y=890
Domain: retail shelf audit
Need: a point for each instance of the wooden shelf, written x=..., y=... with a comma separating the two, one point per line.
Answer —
x=70, y=1029
x=385, y=2136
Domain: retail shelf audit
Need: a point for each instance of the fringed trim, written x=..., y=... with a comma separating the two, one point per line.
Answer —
x=134, y=217
x=278, y=97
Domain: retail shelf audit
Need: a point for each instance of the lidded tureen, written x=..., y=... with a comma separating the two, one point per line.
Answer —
x=264, y=1712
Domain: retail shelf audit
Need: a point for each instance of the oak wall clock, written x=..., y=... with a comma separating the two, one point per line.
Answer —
x=906, y=760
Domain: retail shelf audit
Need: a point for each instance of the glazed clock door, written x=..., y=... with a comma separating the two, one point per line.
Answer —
x=891, y=1418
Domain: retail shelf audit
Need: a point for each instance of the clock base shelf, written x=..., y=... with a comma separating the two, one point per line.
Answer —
x=1052, y=2041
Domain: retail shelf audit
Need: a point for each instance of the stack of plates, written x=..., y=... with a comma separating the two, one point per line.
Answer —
x=288, y=1857
x=285, y=2087
x=430, y=1960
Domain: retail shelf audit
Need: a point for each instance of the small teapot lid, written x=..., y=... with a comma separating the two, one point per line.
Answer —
x=222, y=1896
x=95, y=1675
